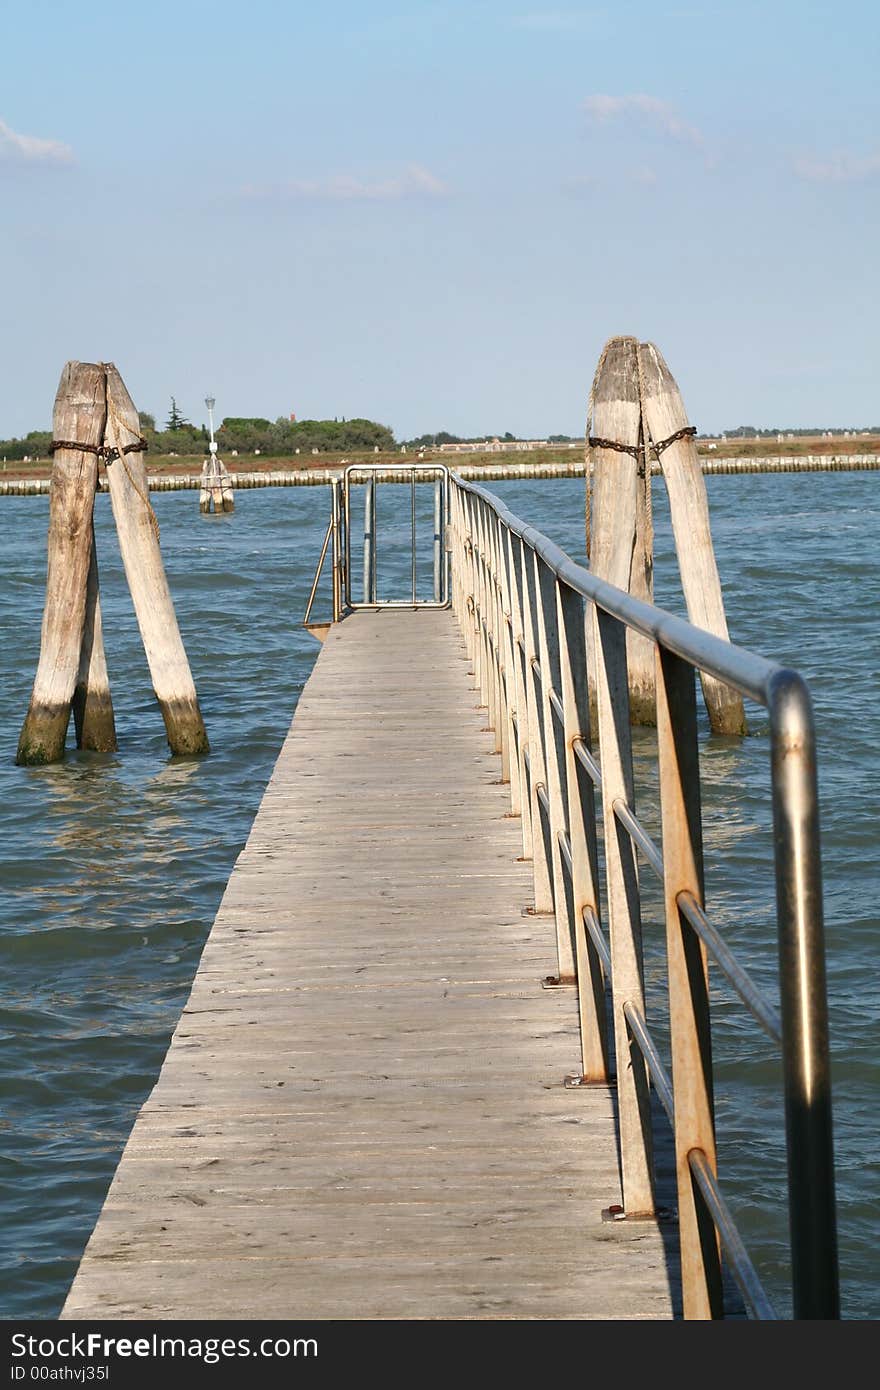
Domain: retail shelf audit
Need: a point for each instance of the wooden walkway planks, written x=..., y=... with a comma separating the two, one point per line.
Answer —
x=361, y=1113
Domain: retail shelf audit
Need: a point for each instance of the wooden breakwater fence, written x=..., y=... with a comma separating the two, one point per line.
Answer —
x=487, y=472
x=563, y=662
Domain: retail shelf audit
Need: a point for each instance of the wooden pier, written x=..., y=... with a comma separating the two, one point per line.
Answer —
x=362, y=1113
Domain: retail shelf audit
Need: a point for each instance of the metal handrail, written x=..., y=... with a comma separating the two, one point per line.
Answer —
x=527, y=610
x=639, y=835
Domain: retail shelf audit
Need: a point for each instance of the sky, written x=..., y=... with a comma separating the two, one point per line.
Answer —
x=435, y=215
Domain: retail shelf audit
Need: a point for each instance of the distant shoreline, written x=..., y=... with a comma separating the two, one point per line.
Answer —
x=16, y=471
x=398, y=468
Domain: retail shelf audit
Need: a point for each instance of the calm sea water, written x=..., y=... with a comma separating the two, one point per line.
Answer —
x=113, y=866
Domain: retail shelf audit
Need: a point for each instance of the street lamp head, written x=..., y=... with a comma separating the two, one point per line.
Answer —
x=209, y=402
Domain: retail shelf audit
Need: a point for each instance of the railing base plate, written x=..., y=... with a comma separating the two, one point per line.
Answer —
x=617, y=1213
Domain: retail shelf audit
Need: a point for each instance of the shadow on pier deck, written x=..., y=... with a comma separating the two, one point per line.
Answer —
x=362, y=1112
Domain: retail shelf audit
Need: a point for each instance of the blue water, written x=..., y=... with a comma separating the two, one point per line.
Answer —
x=114, y=865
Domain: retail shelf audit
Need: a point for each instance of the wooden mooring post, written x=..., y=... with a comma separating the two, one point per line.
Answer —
x=215, y=494
x=637, y=420
x=95, y=419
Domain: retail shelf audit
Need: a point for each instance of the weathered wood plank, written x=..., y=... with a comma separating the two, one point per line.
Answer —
x=361, y=1113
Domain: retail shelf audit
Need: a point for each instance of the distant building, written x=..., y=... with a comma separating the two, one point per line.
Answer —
x=494, y=446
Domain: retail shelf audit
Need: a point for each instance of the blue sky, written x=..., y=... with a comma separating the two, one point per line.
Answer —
x=435, y=214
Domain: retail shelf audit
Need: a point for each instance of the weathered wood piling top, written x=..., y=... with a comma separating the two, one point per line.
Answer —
x=362, y=1112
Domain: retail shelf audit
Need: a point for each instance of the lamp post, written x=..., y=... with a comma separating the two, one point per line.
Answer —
x=216, y=486
x=209, y=402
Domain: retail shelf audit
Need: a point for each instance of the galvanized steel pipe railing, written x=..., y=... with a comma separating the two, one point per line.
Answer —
x=370, y=476
x=548, y=644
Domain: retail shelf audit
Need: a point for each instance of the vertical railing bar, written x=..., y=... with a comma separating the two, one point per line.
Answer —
x=624, y=912
x=369, y=537
x=688, y=978
x=344, y=568
x=479, y=676
x=472, y=595
x=480, y=663
x=592, y=1013
x=522, y=714
x=506, y=637
x=803, y=1001
x=374, y=590
x=335, y=488
x=412, y=484
x=498, y=635
x=488, y=597
x=554, y=762
x=487, y=601
x=541, y=867
x=438, y=536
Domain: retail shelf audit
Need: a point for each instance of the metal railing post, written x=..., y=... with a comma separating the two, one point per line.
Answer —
x=805, y=1047
x=624, y=912
x=370, y=541
x=412, y=490
x=537, y=777
x=554, y=764
x=485, y=672
x=470, y=586
x=592, y=1013
x=488, y=603
x=438, y=540
x=336, y=516
x=510, y=751
x=502, y=744
x=517, y=646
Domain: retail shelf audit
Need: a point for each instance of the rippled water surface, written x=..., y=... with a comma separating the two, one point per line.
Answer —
x=114, y=865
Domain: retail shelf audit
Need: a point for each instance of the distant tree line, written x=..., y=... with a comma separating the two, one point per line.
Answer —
x=247, y=434
x=244, y=434
x=752, y=432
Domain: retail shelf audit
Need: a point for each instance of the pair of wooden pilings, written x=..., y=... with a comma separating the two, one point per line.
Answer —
x=636, y=419
x=215, y=493
x=94, y=419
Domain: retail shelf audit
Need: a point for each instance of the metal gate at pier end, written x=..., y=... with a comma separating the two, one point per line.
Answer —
x=411, y=476
x=426, y=541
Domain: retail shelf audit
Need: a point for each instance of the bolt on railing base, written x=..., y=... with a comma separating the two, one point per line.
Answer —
x=617, y=1213
x=576, y=1082
x=558, y=982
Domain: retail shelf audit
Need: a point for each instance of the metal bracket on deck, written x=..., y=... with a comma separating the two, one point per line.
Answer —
x=617, y=1213
x=582, y=1083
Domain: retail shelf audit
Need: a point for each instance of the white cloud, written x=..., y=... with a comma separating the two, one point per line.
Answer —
x=838, y=168
x=31, y=149
x=414, y=182
x=660, y=114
